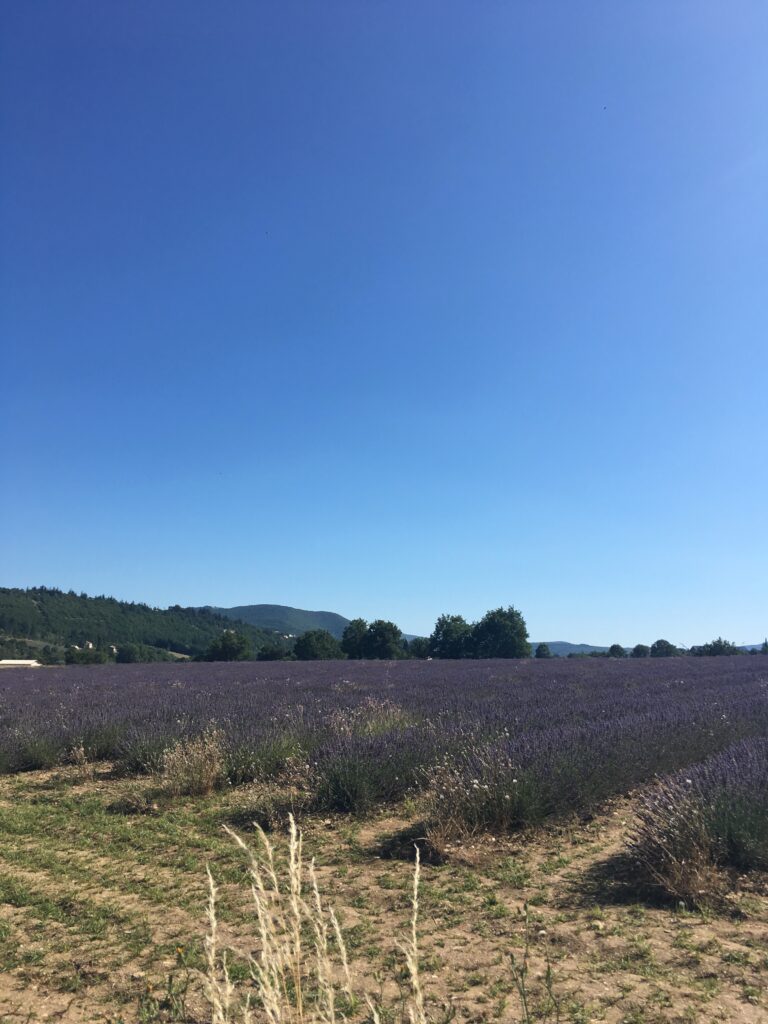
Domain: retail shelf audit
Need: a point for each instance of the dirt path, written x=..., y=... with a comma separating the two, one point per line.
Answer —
x=96, y=914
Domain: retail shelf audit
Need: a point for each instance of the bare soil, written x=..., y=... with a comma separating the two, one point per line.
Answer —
x=102, y=914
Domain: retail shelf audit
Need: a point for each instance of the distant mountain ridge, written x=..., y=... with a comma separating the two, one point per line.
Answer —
x=562, y=648
x=284, y=619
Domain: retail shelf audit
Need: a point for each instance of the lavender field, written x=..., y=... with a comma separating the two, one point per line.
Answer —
x=610, y=812
x=495, y=744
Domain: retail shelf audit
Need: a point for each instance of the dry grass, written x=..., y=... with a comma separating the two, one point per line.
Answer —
x=195, y=767
x=371, y=717
x=301, y=974
x=79, y=757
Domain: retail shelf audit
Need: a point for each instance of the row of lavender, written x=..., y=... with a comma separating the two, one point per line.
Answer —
x=497, y=744
x=696, y=822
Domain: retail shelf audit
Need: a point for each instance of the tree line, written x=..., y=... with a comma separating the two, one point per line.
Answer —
x=48, y=624
x=665, y=649
x=501, y=633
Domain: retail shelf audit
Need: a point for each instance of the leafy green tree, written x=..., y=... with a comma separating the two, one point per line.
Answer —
x=131, y=654
x=317, y=645
x=451, y=638
x=353, y=639
x=543, y=651
x=86, y=656
x=230, y=646
x=501, y=633
x=616, y=651
x=663, y=649
x=716, y=648
x=50, y=655
x=272, y=652
x=128, y=654
x=383, y=640
x=419, y=647
x=640, y=651
x=764, y=648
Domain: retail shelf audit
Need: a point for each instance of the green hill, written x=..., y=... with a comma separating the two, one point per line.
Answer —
x=285, y=620
x=61, y=619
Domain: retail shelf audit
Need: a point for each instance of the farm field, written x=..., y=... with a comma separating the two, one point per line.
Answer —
x=532, y=790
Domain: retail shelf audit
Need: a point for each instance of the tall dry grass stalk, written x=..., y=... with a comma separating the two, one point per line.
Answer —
x=219, y=989
x=301, y=974
x=416, y=1012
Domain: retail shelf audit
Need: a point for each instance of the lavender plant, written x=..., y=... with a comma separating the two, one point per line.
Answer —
x=494, y=744
x=709, y=816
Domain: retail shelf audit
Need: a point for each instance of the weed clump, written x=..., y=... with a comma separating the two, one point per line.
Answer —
x=136, y=802
x=78, y=756
x=271, y=804
x=196, y=766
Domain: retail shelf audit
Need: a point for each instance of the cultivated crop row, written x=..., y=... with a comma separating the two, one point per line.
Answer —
x=497, y=743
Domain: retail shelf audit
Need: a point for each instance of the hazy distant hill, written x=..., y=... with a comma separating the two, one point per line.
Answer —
x=562, y=649
x=291, y=621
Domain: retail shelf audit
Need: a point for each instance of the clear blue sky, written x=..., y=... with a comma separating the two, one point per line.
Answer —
x=390, y=308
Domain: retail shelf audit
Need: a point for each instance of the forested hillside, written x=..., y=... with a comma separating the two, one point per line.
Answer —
x=61, y=619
